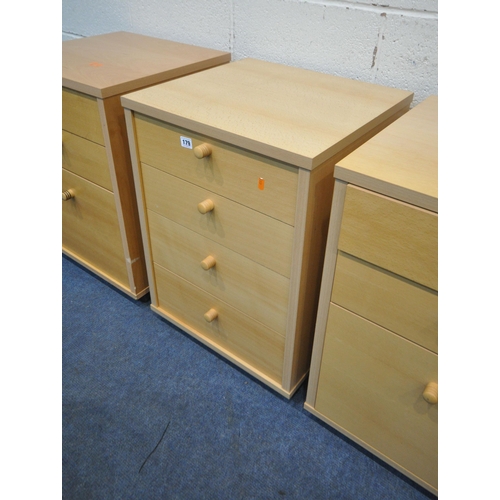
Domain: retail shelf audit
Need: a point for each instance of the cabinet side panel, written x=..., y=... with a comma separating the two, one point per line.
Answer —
x=121, y=164
x=319, y=199
x=141, y=204
x=326, y=288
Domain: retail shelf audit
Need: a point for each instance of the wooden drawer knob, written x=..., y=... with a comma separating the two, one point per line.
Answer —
x=67, y=195
x=208, y=263
x=205, y=206
x=202, y=150
x=431, y=393
x=210, y=315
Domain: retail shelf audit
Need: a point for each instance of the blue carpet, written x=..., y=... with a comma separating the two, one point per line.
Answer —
x=150, y=413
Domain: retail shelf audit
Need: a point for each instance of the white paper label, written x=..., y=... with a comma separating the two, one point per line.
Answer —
x=186, y=142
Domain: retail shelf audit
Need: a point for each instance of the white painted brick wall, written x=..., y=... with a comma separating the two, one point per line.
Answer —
x=393, y=42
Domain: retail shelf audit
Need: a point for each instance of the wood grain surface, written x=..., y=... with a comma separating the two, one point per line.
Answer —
x=114, y=63
x=260, y=183
x=80, y=116
x=402, y=160
x=291, y=114
x=371, y=384
x=263, y=239
x=233, y=331
x=392, y=235
x=90, y=227
x=253, y=289
x=387, y=299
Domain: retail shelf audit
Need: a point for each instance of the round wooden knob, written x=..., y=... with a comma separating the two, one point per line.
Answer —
x=202, y=150
x=208, y=263
x=205, y=206
x=67, y=195
x=430, y=393
x=210, y=315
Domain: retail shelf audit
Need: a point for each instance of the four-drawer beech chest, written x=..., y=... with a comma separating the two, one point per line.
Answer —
x=100, y=224
x=233, y=169
x=375, y=358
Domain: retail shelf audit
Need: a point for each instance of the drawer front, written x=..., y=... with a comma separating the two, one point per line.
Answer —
x=388, y=300
x=86, y=159
x=249, y=287
x=80, y=116
x=262, y=184
x=258, y=237
x=392, y=235
x=371, y=383
x=90, y=227
x=232, y=331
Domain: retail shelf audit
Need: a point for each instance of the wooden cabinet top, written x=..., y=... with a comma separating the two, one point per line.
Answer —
x=114, y=63
x=294, y=115
x=402, y=160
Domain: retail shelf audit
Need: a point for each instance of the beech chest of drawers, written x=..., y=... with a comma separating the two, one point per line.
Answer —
x=234, y=174
x=375, y=358
x=100, y=227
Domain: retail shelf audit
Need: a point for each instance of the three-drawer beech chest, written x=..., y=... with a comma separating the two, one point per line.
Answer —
x=100, y=223
x=234, y=175
x=374, y=365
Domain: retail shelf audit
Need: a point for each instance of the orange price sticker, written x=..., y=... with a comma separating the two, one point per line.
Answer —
x=261, y=183
x=95, y=64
